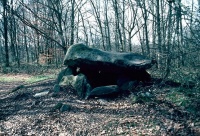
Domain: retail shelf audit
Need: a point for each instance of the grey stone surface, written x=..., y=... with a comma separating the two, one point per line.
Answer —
x=56, y=88
x=79, y=55
x=103, y=90
x=65, y=107
x=78, y=82
x=64, y=72
x=41, y=94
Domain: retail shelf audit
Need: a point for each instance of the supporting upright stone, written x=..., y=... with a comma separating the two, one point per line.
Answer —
x=79, y=83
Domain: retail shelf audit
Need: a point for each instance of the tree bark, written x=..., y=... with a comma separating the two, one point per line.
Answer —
x=107, y=27
x=97, y=17
x=159, y=40
x=72, y=22
x=169, y=35
x=5, y=24
x=25, y=40
x=13, y=34
x=117, y=23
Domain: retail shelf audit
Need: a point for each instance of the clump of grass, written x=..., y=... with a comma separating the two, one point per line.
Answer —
x=38, y=78
x=8, y=79
x=142, y=97
x=186, y=98
x=29, y=69
x=177, y=97
x=30, y=79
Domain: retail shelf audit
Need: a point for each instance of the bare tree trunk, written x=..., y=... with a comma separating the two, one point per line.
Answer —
x=153, y=52
x=123, y=26
x=72, y=22
x=13, y=34
x=97, y=17
x=181, y=33
x=129, y=41
x=26, y=46
x=91, y=34
x=141, y=41
x=77, y=27
x=60, y=23
x=169, y=35
x=143, y=7
x=84, y=27
x=117, y=23
x=163, y=30
x=133, y=23
x=1, y=53
x=5, y=24
x=178, y=32
x=37, y=47
x=107, y=27
x=37, y=36
x=159, y=40
x=18, y=51
x=146, y=30
x=25, y=40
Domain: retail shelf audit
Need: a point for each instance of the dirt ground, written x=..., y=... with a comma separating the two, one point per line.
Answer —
x=22, y=114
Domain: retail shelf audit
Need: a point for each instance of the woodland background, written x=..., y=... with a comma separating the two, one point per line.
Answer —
x=39, y=32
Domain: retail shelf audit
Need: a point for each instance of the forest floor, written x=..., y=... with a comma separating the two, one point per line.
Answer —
x=172, y=110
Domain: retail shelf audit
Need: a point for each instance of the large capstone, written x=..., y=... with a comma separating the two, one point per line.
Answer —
x=79, y=55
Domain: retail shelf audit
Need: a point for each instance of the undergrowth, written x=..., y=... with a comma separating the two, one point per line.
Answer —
x=32, y=69
x=30, y=73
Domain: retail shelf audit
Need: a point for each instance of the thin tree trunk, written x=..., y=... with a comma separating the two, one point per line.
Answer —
x=123, y=26
x=163, y=30
x=5, y=15
x=18, y=52
x=107, y=27
x=1, y=53
x=158, y=33
x=13, y=38
x=154, y=34
x=25, y=38
x=25, y=43
x=38, y=47
x=117, y=23
x=181, y=35
x=97, y=14
x=178, y=36
x=169, y=35
x=84, y=27
x=72, y=22
x=77, y=28
x=146, y=30
x=129, y=41
x=26, y=46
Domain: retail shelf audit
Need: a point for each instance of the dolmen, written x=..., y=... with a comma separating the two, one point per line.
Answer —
x=93, y=72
